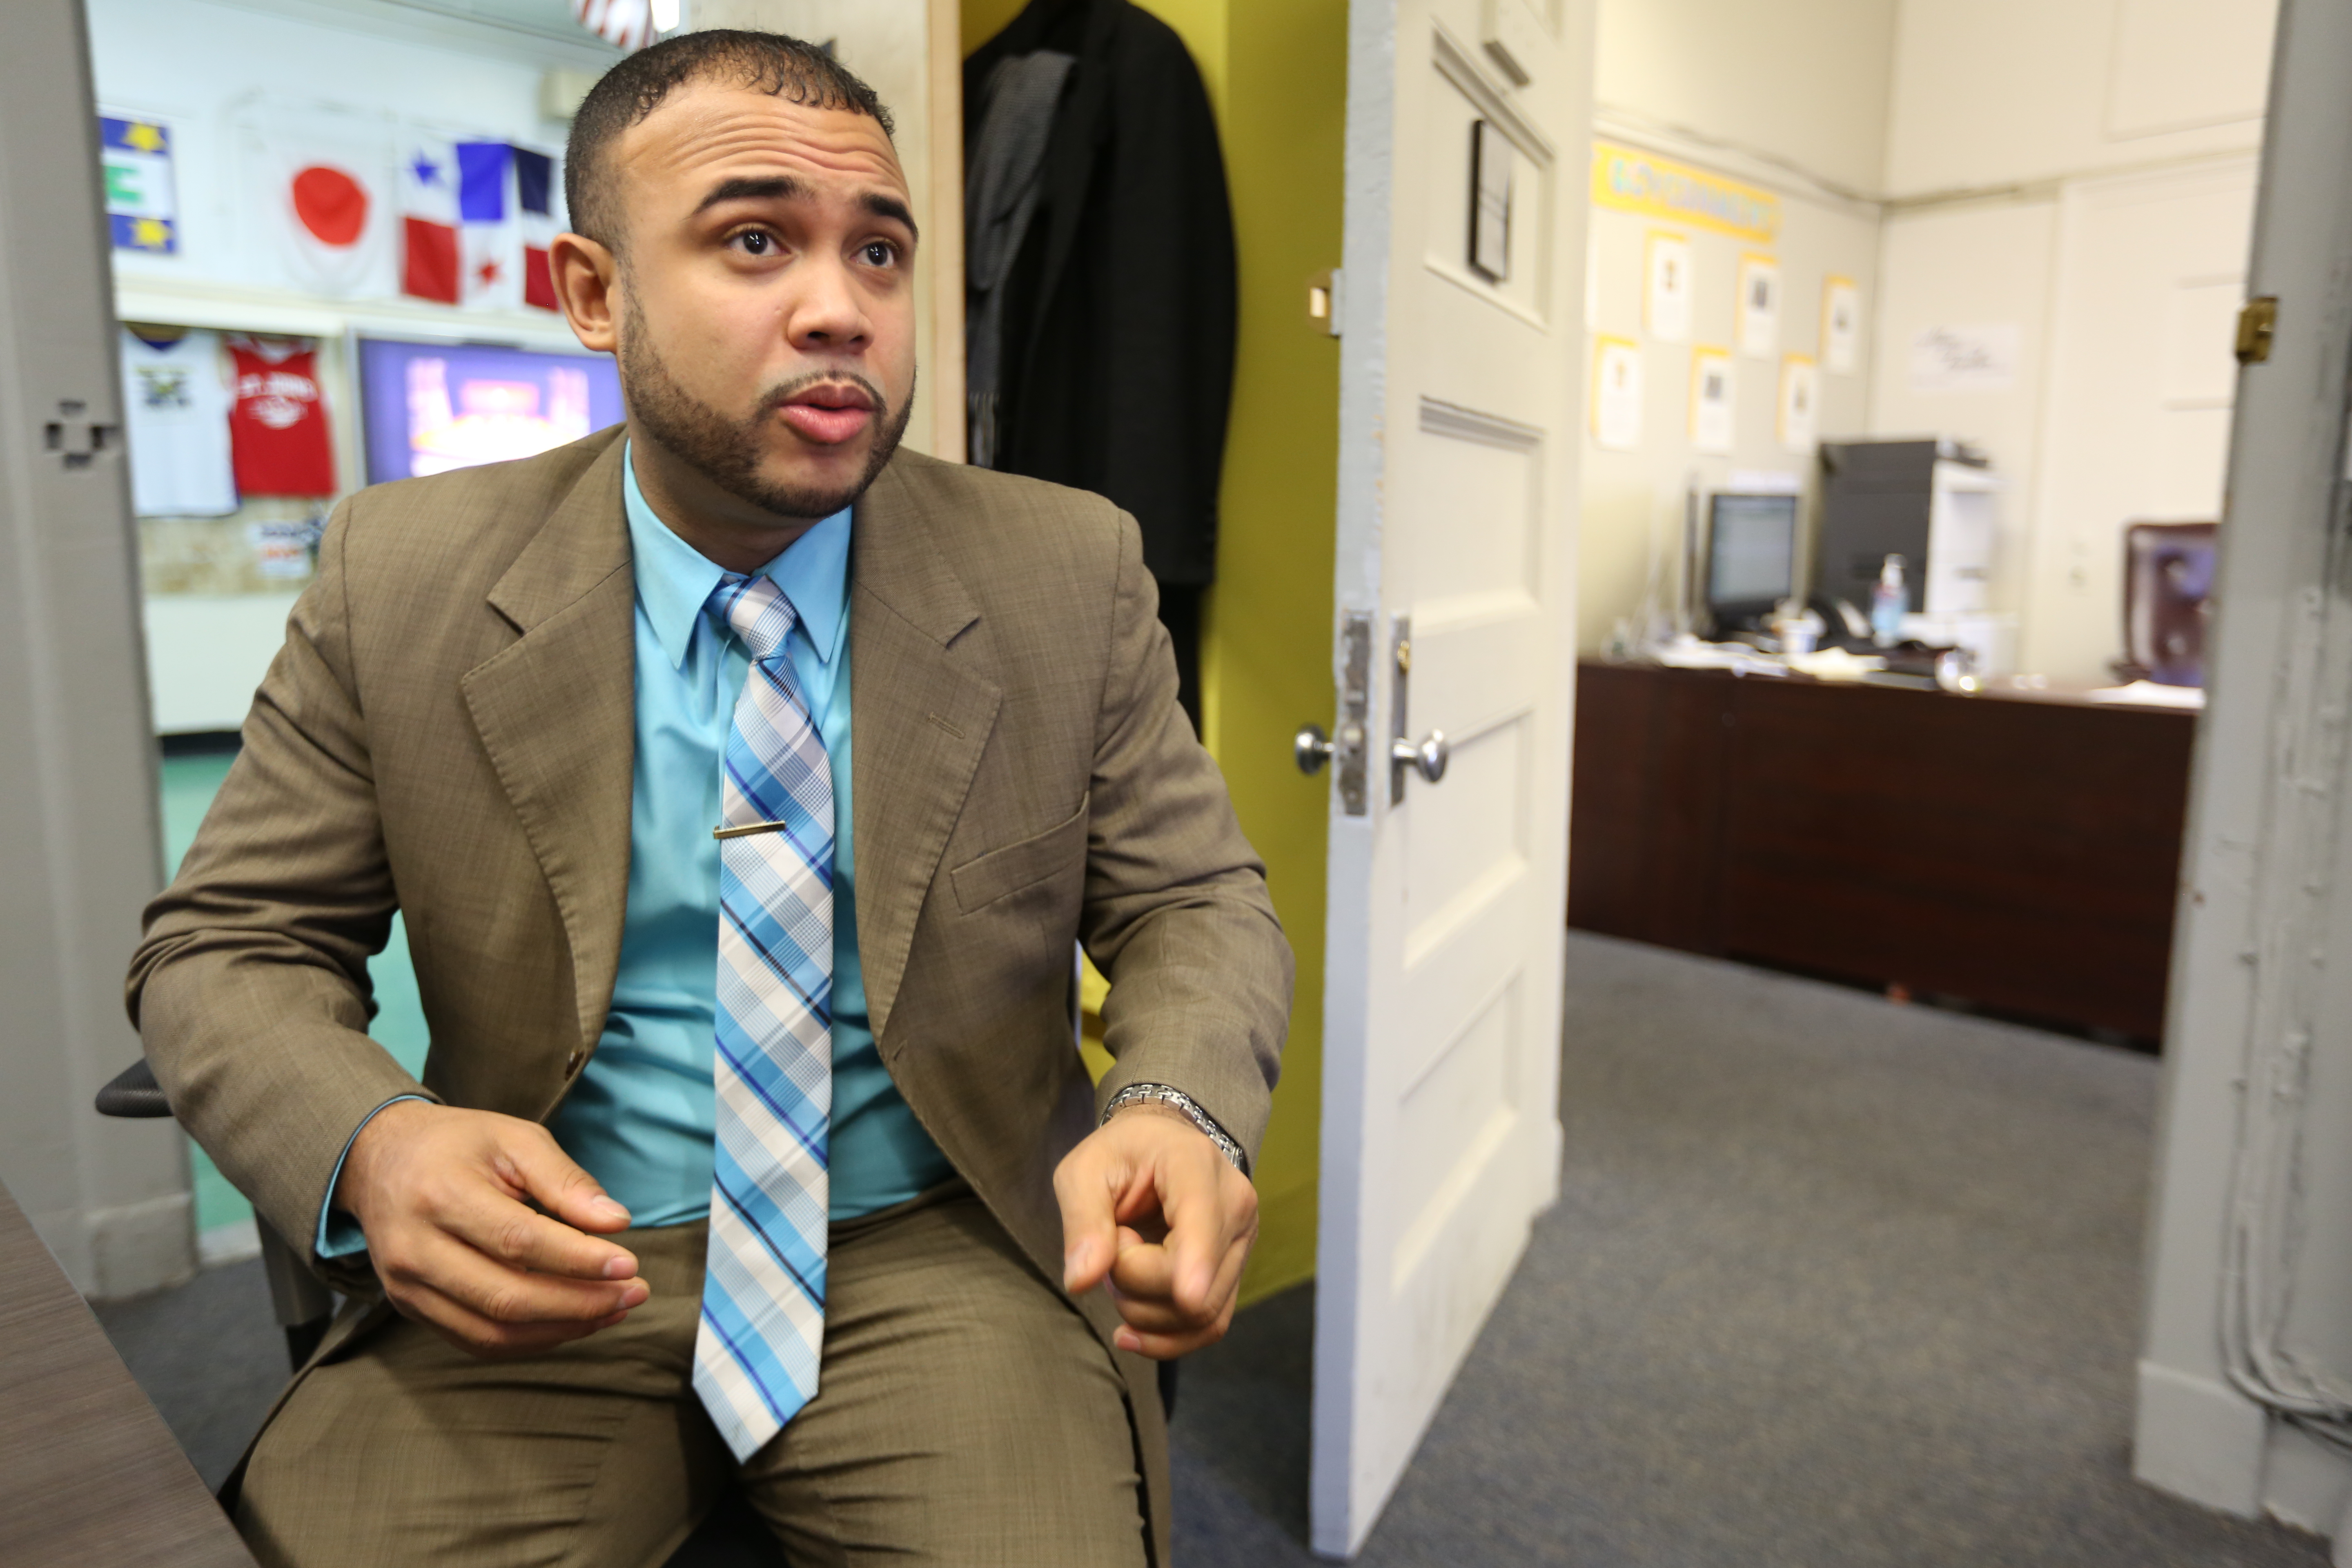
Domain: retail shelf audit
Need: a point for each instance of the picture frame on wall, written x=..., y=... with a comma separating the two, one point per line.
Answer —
x=1801, y=404
x=1840, y=325
x=1666, y=286
x=1491, y=158
x=1616, y=394
x=1759, y=306
x=1714, y=416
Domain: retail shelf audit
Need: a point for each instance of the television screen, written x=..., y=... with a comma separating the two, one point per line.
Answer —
x=431, y=407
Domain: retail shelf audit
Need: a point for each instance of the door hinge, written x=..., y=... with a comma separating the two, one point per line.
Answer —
x=2257, y=325
x=73, y=437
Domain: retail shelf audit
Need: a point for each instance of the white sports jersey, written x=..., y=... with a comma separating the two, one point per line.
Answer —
x=176, y=403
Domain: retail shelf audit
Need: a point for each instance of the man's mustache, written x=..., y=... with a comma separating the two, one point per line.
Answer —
x=775, y=398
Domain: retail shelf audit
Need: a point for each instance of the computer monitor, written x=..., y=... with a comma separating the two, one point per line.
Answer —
x=431, y=407
x=1751, y=557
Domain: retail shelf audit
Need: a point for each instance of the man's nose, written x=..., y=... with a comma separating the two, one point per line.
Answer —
x=828, y=314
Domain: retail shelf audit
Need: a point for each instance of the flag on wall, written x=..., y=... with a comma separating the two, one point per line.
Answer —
x=141, y=202
x=624, y=24
x=458, y=232
x=321, y=183
x=535, y=219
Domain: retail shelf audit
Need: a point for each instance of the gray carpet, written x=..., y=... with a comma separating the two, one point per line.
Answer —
x=211, y=1357
x=1832, y=1283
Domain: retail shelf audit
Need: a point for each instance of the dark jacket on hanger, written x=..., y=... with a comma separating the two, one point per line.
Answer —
x=1119, y=320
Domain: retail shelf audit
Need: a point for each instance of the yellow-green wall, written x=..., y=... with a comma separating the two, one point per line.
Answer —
x=1277, y=72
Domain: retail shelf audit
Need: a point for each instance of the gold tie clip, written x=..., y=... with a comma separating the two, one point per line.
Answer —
x=748, y=828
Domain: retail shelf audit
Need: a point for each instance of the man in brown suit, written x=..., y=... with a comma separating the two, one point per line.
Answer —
x=491, y=715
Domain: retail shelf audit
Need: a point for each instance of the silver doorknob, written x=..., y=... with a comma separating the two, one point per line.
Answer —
x=1429, y=757
x=1310, y=749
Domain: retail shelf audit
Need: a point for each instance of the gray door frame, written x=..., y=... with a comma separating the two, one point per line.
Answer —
x=2245, y=1319
x=81, y=845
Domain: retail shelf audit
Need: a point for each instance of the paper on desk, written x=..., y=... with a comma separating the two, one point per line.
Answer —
x=1835, y=664
x=2149, y=694
x=1687, y=652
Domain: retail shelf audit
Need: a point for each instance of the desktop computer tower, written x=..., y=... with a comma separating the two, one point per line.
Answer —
x=1932, y=502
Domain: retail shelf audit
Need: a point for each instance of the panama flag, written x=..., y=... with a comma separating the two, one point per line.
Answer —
x=457, y=219
x=535, y=208
x=321, y=181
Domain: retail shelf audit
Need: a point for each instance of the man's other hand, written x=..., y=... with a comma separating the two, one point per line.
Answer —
x=445, y=1196
x=1149, y=1203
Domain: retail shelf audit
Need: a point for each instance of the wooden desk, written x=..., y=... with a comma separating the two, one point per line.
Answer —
x=2021, y=853
x=89, y=1472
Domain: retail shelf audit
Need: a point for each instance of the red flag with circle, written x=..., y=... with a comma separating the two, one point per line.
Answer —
x=324, y=181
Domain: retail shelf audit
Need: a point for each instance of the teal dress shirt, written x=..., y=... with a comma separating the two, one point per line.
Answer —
x=641, y=1118
x=643, y=1115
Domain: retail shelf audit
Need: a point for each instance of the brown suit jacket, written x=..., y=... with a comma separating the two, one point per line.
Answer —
x=449, y=731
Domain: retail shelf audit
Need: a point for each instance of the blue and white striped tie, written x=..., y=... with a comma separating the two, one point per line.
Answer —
x=755, y=1352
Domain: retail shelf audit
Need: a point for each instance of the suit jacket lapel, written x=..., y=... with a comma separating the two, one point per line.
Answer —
x=557, y=714
x=923, y=703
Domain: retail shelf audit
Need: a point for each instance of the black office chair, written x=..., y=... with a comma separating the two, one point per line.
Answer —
x=733, y=1536
x=305, y=1306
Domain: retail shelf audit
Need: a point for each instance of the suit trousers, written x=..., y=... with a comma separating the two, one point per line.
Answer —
x=965, y=1414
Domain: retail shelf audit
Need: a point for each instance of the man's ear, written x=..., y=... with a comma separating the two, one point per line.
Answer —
x=586, y=277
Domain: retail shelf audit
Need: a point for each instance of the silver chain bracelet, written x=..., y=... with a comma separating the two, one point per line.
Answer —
x=1201, y=1119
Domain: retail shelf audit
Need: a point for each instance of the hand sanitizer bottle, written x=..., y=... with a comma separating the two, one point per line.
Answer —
x=1889, y=603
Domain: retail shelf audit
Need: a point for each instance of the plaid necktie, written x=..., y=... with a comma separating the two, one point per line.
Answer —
x=756, y=1350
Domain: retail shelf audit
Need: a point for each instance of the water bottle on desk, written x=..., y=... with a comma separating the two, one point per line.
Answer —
x=1889, y=603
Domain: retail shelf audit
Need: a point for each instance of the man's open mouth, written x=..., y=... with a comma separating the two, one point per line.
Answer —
x=829, y=413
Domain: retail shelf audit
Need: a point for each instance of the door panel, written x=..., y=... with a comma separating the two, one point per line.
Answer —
x=1460, y=402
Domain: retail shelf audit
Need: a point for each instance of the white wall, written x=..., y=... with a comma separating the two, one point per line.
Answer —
x=1632, y=522
x=2007, y=123
x=2005, y=92
x=1984, y=264
x=199, y=66
x=1801, y=80
x=1789, y=97
x=196, y=62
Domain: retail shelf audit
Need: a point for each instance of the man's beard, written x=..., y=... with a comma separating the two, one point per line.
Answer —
x=728, y=451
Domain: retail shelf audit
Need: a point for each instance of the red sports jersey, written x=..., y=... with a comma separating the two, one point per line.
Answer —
x=277, y=430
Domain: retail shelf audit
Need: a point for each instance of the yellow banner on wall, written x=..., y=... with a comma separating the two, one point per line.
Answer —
x=1629, y=180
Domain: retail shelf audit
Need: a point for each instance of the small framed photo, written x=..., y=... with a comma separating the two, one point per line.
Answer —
x=1490, y=201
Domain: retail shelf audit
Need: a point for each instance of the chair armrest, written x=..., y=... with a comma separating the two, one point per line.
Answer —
x=133, y=1093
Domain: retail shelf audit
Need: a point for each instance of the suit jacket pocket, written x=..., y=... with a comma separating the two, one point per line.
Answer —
x=1003, y=872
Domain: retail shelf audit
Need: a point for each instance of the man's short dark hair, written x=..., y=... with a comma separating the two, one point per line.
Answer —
x=765, y=62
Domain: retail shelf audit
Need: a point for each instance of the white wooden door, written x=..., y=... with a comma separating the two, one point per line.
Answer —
x=2151, y=271
x=1461, y=395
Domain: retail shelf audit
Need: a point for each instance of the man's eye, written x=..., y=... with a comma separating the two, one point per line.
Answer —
x=880, y=253
x=756, y=242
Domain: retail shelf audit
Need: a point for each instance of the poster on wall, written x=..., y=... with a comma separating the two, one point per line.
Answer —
x=1759, y=306
x=1713, y=420
x=1666, y=299
x=1965, y=359
x=1616, y=394
x=1800, y=399
x=143, y=200
x=432, y=407
x=1841, y=324
x=1629, y=180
